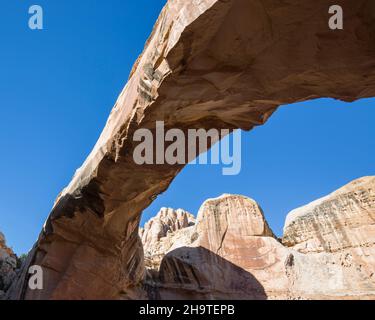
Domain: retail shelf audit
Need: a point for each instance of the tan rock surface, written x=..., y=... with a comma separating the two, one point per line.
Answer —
x=162, y=233
x=343, y=219
x=231, y=253
x=208, y=64
x=166, y=221
x=339, y=231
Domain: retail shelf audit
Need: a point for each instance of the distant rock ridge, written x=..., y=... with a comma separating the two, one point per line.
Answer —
x=159, y=233
x=8, y=265
x=230, y=252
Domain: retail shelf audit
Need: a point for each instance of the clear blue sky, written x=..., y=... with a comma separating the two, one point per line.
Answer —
x=57, y=87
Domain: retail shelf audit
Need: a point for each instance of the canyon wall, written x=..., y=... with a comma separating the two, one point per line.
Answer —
x=231, y=253
x=207, y=64
x=339, y=230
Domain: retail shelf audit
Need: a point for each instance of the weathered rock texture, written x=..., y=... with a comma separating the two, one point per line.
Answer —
x=8, y=266
x=339, y=230
x=341, y=220
x=212, y=259
x=207, y=64
x=160, y=235
x=231, y=253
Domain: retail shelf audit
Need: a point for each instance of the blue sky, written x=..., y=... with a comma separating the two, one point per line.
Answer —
x=57, y=87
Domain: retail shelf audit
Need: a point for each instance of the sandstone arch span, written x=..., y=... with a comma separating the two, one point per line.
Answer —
x=208, y=63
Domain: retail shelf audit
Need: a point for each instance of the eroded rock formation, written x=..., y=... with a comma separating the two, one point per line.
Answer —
x=160, y=234
x=339, y=230
x=343, y=219
x=213, y=258
x=8, y=266
x=231, y=253
x=207, y=64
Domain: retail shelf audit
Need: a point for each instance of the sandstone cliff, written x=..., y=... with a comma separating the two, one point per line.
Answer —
x=8, y=266
x=231, y=253
x=343, y=219
x=339, y=230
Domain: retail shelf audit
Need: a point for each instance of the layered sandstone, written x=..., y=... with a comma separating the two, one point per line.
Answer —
x=339, y=230
x=343, y=219
x=207, y=64
x=231, y=253
x=8, y=265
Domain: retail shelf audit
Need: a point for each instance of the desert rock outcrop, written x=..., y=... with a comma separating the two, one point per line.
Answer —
x=230, y=239
x=231, y=253
x=343, y=219
x=162, y=232
x=207, y=64
x=8, y=266
x=339, y=231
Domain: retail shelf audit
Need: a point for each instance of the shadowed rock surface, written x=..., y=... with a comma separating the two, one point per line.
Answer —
x=8, y=266
x=208, y=64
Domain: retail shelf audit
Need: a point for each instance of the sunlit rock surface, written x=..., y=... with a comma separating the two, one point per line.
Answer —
x=160, y=234
x=231, y=253
x=343, y=219
x=339, y=231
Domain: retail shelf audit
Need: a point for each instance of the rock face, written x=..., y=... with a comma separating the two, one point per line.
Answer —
x=230, y=238
x=207, y=64
x=166, y=221
x=8, y=266
x=340, y=230
x=341, y=220
x=161, y=233
x=231, y=253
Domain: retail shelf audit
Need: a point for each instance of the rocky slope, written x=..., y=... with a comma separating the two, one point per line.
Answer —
x=8, y=266
x=231, y=253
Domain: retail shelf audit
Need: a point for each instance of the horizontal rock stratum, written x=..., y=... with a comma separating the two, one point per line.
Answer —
x=207, y=64
x=231, y=253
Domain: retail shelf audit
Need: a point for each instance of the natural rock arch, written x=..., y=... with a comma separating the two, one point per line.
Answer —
x=208, y=64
